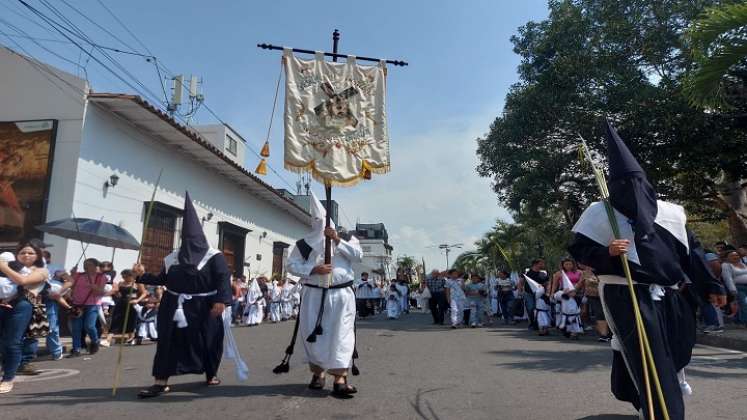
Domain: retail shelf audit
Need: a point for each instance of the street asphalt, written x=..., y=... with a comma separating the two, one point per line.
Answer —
x=410, y=369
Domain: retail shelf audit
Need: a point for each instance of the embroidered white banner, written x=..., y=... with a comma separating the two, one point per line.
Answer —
x=335, y=119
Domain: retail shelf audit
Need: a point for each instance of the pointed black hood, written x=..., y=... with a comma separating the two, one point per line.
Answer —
x=630, y=192
x=194, y=244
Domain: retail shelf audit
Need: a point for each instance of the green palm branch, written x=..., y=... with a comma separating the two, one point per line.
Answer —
x=719, y=42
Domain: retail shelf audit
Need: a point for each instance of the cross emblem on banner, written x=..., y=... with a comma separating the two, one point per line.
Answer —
x=334, y=112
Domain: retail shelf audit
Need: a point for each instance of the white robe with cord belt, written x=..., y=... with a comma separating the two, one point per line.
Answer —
x=333, y=349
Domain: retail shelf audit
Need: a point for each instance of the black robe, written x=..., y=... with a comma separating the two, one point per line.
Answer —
x=197, y=348
x=669, y=322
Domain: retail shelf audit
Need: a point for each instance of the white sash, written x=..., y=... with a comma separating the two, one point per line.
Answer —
x=179, y=317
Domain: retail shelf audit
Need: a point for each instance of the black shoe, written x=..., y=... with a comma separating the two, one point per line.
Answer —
x=343, y=391
x=73, y=354
x=93, y=348
x=27, y=369
x=138, y=341
x=153, y=391
x=317, y=382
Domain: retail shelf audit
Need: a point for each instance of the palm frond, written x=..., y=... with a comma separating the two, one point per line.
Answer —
x=715, y=22
x=718, y=43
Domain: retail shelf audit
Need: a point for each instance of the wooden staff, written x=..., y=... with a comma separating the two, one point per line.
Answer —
x=647, y=359
x=118, y=368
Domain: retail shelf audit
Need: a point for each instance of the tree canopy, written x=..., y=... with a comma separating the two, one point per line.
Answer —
x=628, y=62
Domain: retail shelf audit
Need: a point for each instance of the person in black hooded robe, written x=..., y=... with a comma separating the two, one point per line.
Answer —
x=190, y=325
x=664, y=255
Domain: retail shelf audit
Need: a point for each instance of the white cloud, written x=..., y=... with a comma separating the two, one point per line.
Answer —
x=433, y=194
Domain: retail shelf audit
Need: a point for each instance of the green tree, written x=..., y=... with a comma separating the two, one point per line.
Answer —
x=406, y=265
x=718, y=44
x=625, y=61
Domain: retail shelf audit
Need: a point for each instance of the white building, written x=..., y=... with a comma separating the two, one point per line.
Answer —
x=377, y=253
x=98, y=139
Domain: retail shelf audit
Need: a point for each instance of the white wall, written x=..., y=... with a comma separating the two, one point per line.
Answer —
x=28, y=93
x=111, y=145
x=375, y=255
x=216, y=135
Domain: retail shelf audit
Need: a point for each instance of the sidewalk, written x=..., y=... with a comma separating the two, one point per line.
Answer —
x=732, y=338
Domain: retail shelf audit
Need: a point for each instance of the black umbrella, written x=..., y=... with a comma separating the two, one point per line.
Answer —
x=91, y=231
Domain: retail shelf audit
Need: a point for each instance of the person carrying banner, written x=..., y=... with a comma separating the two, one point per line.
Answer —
x=326, y=318
x=662, y=254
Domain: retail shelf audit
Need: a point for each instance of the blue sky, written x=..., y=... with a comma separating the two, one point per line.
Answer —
x=461, y=66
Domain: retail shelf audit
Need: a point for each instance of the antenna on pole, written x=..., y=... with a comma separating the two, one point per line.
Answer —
x=177, y=84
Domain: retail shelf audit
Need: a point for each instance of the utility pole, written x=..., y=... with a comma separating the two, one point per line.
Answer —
x=447, y=249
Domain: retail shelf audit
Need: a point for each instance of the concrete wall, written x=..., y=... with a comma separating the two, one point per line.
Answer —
x=216, y=135
x=113, y=146
x=92, y=144
x=34, y=92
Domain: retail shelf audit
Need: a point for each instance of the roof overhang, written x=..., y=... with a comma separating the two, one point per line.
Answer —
x=164, y=129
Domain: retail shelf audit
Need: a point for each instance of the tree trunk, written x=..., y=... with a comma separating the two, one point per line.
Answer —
x=735, y=199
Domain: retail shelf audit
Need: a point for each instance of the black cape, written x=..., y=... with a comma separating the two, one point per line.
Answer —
x=670, y=322
x=197, y=348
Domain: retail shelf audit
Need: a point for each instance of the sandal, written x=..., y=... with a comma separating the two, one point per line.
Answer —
x=213, y=382
x=343, y=390
x=153, y=391
x=317, y=382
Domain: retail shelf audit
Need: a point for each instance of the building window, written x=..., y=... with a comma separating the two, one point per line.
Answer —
x=232, y=243
x=231, y=145
x=161, y=235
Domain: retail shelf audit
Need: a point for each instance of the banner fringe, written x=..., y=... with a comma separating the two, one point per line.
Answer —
x=318, y=176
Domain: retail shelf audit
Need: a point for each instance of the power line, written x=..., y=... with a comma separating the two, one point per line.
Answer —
x=99, y=26
x=86, y=38
x=125, y=28
x=23, y=34
x=78, y=33
x=33, y=37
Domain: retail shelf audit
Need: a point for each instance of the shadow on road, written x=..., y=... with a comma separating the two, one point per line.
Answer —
x=556, y=360
x=590, y=339
x=180, y=393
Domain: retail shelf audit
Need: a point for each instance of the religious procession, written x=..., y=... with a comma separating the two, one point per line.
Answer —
x=481, y=211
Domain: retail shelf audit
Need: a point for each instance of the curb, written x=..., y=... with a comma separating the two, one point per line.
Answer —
x=722, y=341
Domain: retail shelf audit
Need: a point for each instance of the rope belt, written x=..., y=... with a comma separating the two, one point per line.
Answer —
x=179, y=317
x=284, y=365
x=318, y=326
x=655, y=290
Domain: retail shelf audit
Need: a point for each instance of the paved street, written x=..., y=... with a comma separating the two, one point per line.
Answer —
x=410, y=370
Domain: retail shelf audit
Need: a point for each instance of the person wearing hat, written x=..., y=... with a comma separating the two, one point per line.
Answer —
x=570, y=313
x=542, y=307
x=190, y=323
x=326, y=318
x=662, y=254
